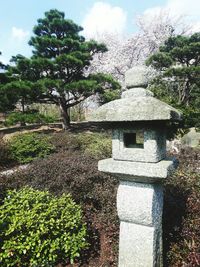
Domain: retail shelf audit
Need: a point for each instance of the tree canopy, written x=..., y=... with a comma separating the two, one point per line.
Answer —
x=56, y=72
x=129, y=51
x=178, y=63
x=7, y=98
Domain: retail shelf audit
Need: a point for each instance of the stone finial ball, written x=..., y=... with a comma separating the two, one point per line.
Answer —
x=136, y=77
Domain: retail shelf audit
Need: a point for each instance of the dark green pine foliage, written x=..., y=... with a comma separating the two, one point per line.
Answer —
x=7, y=98
x=18, y=87
x=60, y=58
x=1, y=64
x=178, y=61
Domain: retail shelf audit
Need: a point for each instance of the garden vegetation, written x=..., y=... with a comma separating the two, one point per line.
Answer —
x=38, y=229
x=72, y=168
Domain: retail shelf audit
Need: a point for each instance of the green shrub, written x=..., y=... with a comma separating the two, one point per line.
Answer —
x=77, y=113
x=49, y=110
x=5, y=155
x=26, y=147
x=64, y=141
x=38, y=229
x=76, y=173
x=3, y=150
x=97, y=145
x=70, y=172
x=181, y=224
x=28, y=117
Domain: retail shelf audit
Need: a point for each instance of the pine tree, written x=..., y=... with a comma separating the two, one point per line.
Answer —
x=16, y=87
x=7, y=98
x=178, y=63
x=56, y=71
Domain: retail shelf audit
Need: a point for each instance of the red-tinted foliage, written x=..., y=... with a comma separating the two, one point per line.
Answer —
x=75, y=173
x=182, y=212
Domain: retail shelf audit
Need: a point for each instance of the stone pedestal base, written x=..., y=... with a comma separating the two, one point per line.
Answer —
x=140, y=212
x=138, y=245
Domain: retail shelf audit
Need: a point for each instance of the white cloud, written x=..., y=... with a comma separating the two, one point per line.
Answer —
x=4, y=60
x=19, y=34
x=175, y=8
x=104, y=18
x=195, y=27
x=153, y=11
x=178, y=7
x=184, y=7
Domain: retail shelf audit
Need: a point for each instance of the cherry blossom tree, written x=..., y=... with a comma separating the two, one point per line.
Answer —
x=125, y=52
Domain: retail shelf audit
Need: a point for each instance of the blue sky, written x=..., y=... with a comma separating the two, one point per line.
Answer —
x=17, y=17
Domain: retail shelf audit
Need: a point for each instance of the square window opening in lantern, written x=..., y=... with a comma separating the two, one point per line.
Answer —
x=134, y=140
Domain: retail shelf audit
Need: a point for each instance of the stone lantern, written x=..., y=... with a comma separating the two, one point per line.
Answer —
x=139, y=125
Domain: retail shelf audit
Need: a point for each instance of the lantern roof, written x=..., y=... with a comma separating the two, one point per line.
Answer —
x=136, y=104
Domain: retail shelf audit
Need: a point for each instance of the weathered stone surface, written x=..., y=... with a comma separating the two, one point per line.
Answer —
x=136, y=77
x=136, y=104
x=140, y=203
x=154, y=147
x=138, y=160
x=139, y=246
x=136, y=92
x=138, y=171
x=135, y=109
x=191, y=139
x=140, y=211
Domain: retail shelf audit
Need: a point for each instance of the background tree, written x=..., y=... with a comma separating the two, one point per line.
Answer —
x=1, y=64
x=178, y=63
x=124, y=53
x=60, y=57
x=21, y=83
x=7, y=98
x=15, y=89
x=56, y=71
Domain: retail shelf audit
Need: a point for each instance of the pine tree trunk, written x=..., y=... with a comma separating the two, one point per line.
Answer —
x=65, y=116
x=22, y=123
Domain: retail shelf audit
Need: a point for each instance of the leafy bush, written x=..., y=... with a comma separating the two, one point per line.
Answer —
x=70, y=172
x=96, y=145
x=49, y=110
x=4, y=151
x=5, y=155
x=76, y=173
x=77, y=113
x=27, y=117
x=64, y=141
x=181, y=224
x=26, y=147
x=38, y=229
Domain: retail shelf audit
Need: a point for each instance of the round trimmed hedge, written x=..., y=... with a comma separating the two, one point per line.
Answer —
x=38, y=229
x=26, y=147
